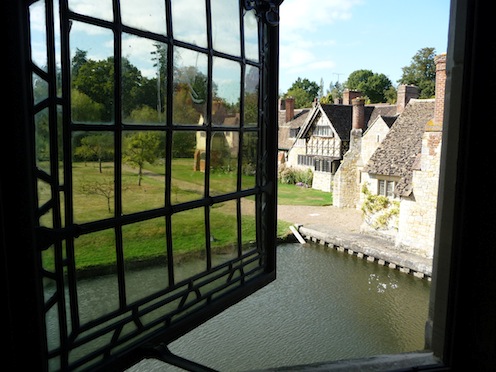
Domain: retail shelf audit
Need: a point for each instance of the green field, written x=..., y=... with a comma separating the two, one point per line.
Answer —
x=93, y=200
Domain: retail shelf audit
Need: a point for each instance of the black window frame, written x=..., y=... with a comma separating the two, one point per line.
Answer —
x=241, y=276
x=461, y=329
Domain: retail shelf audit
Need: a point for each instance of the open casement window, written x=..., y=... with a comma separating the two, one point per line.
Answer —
x=154, y=137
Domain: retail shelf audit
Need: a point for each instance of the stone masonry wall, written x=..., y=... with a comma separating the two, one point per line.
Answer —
x=346, y=185
x=417, y=220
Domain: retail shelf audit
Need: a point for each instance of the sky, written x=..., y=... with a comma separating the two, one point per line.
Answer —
x=319, y=39
x=329, y=39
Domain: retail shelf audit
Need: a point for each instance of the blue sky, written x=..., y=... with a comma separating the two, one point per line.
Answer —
x=330, y=39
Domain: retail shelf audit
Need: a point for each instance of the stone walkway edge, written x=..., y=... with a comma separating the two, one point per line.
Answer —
x=374, y=249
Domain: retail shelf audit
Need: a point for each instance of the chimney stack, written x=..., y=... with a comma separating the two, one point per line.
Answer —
x=358, y=115
x=440, y=61
x=436, y=124
x=405, y=94
x=289, y=109
x=349, y=95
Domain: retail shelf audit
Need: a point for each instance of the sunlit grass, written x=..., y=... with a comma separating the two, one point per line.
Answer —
x=147, y=240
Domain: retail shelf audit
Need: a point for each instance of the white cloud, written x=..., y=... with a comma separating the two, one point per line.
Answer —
x=306, y=44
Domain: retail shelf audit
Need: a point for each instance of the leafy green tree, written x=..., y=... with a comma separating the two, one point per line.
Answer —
x=99, y=147
x=304, y=92
x=371, y=84
x=421, y=72
x=83, y=108
x=141, y=148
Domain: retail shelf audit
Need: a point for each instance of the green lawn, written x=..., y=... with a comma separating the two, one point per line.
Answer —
x=297, y=195
x=147, y=239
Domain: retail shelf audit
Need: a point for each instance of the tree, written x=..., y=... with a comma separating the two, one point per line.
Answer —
x=421, y=72
x=97, y=147
x=304, y=92
x=141, y=147
x=372, y=85
x=103, y=188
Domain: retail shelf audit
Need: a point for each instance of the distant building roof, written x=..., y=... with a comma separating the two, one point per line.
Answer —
x=285, y=142
x=396, y=155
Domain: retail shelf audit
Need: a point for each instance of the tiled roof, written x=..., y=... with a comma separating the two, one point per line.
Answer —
x=396, y=155
x=284, y=141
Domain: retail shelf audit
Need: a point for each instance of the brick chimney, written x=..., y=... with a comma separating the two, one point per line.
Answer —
x=358, y=114
x=440, y=61
x=289, y=105
x=349, y=95
x=405, y=94
x=436, y=124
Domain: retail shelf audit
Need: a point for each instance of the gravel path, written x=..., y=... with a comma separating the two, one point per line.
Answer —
x=340, y=219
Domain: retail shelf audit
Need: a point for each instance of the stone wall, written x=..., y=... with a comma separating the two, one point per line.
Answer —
x=417, y=220
x=346, y=184
x=322, y=181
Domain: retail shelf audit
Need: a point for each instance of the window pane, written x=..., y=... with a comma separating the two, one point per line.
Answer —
x=382, y=190
x=224, y=230
x=42, y=140
x=94, y=256
x=143, y=87
x=249, y=160
x=188, y=240
x=188, y=166
x=144, y=15
x=190, y=87
x=101, y=9
x=390, y=189
x=145, y=246
x=251, y=35
x=143, y=171
x=224, y=149
x=226, y=85
x=225, y=26
x=93, y=176
x=189, y=22
x=38, y=34
x=92, y=91
x=251, y=97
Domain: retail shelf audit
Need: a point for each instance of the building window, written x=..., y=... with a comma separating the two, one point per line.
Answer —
x=322, y=165
x=323, y=131
x=293, y=132
x=305, y=160
x=123, y=183
x=385, y=188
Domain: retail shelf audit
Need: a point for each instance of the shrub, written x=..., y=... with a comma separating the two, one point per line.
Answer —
x=293, y=176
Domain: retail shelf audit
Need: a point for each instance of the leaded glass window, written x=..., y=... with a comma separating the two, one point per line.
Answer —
x=155, y=129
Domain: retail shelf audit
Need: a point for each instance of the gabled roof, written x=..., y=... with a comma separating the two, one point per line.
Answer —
x=396, y=155
x=284, y=140
x=340, y=117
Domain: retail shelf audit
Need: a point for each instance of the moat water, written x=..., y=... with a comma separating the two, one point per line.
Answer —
x=325, y=305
